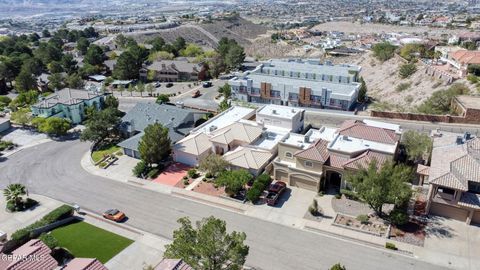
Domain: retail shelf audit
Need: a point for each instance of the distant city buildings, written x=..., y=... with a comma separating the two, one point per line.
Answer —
x=299, y=83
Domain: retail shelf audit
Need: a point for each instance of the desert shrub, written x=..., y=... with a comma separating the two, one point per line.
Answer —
x=363, y=219
x=153, y=173
x=49, y=240
x=11, y=206
x=407, y=70
x=313, y=208
x=390, y=246
x=398, y=217
x=403, y=86
x=140, y=169
x=192, y=173
x=472, y=78
x=254, y=193
x=186, y=182
x=338, y=266
x=383, y=51
x=338, y=196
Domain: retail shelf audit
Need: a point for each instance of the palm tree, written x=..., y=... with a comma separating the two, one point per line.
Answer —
x=14, y=192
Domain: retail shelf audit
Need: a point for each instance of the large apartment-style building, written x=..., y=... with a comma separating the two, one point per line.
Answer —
x=319, y=159
x=454, y=177
x=299, y=83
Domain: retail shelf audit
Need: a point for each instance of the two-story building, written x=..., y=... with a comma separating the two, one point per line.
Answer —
x=245, y=137
x=319, y=159
x=68, y=103
x=299, y=83
x=176, y=71
x=454, y=177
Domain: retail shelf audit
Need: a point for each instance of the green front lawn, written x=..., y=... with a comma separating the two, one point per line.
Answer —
x=107, y=150
x=87, y=241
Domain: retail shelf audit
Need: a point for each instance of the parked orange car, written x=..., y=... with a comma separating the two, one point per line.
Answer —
x=114, y=215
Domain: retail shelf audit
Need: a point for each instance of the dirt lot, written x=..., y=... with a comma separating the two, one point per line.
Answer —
x=383, y=82
x=264, y=48
x=373, y=28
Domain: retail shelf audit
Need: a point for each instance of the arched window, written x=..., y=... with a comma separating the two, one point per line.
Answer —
x=288, y=155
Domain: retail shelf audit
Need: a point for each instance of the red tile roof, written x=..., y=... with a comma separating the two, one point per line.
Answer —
x=84, y=264
x=363, y=160
x=362, y=131
x=32, y=255
x=173, y=264
x=466, y=57
x=317, y=151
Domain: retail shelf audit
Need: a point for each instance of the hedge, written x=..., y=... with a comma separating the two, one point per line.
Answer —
x=23, y=235
x=49, y=240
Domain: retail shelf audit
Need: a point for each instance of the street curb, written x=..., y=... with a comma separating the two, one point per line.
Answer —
x=207, y=202
x=359, y=241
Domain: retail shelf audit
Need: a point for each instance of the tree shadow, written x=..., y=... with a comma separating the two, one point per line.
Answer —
x=436, y=227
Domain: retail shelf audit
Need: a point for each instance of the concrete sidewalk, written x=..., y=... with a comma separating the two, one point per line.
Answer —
x=147, y=249
x=11, y=222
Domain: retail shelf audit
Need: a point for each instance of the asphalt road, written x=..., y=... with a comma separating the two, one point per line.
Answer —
x=53, y=169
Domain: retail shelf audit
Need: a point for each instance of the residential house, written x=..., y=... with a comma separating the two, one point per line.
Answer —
x=461, y=59
x=179, y=122
x=84, y=264
x=173, y=264
x=319, y=159
x=245, y=139
x=454, y=177
x=176, y=71
x=304, y=83
x=68, y=103
x=24, y=257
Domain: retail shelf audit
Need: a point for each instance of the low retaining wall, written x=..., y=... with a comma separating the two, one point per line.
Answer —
x=426, y=117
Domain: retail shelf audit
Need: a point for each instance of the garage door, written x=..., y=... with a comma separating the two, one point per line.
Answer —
x=476, y=217
x=449, y=211
x=281, y=175
x=303, y=183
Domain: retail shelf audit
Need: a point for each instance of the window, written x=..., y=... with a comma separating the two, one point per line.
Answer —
x=474, y=187
x=308, y=164
x=288, y=155
x=446, y=190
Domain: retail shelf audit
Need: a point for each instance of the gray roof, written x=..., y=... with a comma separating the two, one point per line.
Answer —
x=66, y=96
x=310, y=66
x=180, y=66
x=144, y=114
x=339, y=90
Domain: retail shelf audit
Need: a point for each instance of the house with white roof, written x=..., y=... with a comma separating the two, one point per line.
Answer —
x=241, y=135
x=319, y=159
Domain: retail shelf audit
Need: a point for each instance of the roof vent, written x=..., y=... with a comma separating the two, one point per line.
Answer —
x=274, y=111
x=212, y=128
x=459, y=140
x=467, y=136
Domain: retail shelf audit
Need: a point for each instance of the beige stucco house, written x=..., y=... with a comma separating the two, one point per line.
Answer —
x=454, y=177
x=319, y=159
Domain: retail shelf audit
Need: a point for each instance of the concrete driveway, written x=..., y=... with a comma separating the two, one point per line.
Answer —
x=290, y=209
x=451, y=243
x=24, y=137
